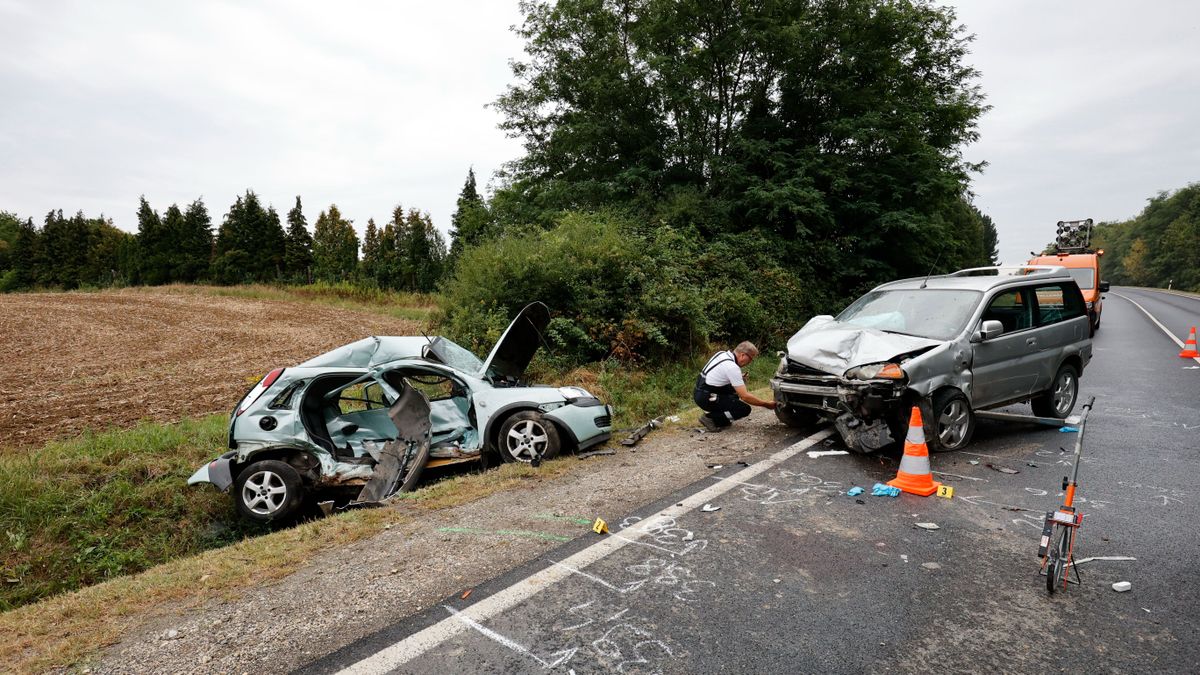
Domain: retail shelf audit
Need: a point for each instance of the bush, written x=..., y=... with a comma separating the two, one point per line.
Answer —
x=618, y=289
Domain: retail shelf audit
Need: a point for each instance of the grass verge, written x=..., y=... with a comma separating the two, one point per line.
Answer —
x=68, y=629
x=639, y=394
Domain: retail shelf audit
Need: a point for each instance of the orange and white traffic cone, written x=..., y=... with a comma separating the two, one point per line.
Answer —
x=1189, y=347
x=914, y=475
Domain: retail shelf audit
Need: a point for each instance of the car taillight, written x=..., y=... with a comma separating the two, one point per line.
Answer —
x=258, y=390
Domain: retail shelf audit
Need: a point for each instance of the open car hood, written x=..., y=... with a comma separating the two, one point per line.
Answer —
x=513, y=352
x=833, y=347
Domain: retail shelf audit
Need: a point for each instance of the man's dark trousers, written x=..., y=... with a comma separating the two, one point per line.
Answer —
x=717, y=405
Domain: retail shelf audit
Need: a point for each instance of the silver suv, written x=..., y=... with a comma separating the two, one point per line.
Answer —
x=975, y=339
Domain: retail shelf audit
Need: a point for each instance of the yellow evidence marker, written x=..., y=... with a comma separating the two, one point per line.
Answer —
x=600, y=527
x=945, y=491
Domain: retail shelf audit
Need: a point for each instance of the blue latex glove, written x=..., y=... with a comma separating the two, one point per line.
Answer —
x=854, y=491
x=1068, y=430
x=881, y=490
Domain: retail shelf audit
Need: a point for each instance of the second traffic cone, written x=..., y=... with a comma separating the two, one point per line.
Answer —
x=914, y=475
x=1189, y=347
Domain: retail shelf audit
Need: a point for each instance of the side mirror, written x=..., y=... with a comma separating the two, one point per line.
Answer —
x=1103, y=286
x=988, y=330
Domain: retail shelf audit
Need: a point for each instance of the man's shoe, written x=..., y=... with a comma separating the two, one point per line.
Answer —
x=709, y=424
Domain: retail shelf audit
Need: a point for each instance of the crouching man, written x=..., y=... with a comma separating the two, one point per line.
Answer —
x=721, y=391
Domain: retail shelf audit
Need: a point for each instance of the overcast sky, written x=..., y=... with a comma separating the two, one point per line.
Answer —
x=366, y=105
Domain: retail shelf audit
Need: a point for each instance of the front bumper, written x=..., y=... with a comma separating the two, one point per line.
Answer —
x=860, y=409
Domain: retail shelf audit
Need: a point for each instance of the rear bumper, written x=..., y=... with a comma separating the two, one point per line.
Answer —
x=218, y=472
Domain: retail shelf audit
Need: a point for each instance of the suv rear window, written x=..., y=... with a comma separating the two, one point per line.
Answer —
x=1059, y=302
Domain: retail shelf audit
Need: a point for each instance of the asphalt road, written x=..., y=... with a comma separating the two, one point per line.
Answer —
x=791, y=575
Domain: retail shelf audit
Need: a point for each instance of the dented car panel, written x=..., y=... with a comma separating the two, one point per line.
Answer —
x=359, y=415
x=921, y=340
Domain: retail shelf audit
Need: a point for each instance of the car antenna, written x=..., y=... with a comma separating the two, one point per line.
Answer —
x=931, y=268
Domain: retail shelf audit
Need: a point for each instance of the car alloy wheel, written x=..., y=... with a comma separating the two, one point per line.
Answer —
x=526, y=435
x=953, y=422
x=1064, y=393
x=268, y=491
x=264, y=493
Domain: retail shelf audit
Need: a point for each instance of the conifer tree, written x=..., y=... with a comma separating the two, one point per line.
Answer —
x=470, y=223
x=153, y=262
x=26, y=253
x=194, y=246
x=250, y=243
x=335, y=247
x=297, y=256
x=369, y=269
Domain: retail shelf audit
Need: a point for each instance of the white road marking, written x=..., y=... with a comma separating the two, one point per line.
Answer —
x=392, y=657
x=1157, y=323
x=517, y=647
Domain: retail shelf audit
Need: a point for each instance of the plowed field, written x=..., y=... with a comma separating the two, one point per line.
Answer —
x=76, y=361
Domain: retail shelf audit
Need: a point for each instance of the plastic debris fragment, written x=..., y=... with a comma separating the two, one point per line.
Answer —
x=854, y=491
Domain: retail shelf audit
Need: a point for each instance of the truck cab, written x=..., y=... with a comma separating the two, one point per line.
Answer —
x=1072, y=250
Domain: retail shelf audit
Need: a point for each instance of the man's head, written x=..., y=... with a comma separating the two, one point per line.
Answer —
x=745, y=353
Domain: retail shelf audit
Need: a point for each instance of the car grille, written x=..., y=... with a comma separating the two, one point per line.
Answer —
x=794, y=368
x=604, y=421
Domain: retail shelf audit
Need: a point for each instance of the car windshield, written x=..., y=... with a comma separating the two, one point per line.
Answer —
x=937, y=314
x=455, y=356
x=1084, y=276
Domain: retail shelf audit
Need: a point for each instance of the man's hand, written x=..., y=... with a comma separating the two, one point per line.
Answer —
x=746, y=396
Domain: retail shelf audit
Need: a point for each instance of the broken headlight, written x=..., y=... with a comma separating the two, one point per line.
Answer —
x=876, y=371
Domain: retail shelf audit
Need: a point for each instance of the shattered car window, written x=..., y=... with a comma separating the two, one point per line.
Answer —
x=937, y=314
x=455, y=356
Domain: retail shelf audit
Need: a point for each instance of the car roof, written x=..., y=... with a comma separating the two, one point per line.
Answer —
x=982, y=278
x=371, y=351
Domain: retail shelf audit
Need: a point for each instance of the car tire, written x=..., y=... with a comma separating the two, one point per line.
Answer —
x=268, y=491
x=794, y=417
x=1059, y=400
x=525, y=433
x=951, y=422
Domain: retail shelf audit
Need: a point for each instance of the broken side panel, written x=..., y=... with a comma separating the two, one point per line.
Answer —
x=401, y=459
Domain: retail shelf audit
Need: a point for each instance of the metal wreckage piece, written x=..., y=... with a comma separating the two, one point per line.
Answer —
x=400, y=456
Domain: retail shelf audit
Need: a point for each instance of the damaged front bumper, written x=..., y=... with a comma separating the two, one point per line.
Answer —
x=860, y=409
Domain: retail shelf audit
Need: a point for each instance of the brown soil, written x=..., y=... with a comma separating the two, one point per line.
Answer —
x=75, y=361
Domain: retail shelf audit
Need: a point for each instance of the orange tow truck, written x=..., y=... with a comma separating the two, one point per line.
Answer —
x=1072, y=250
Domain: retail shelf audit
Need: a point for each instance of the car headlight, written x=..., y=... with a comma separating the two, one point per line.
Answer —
x=572, y=393
x=876, y=371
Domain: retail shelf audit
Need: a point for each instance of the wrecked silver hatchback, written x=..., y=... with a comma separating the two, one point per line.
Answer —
x=953, y=344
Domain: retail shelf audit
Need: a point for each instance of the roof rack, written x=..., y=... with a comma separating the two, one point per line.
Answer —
x=1006, y=271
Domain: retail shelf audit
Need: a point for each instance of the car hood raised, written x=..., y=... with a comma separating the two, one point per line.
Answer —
x=515, y=349
x=834, y=347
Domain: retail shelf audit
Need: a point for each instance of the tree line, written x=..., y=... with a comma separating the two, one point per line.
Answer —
x=1159, y=247
x=771, y=159
x=250, y=245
